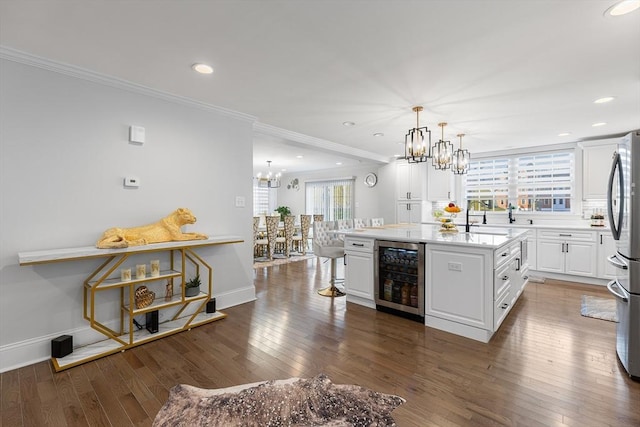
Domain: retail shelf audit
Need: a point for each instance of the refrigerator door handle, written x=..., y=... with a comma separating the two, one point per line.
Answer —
x=614, y=284
x=616, y=227
x=617, y=262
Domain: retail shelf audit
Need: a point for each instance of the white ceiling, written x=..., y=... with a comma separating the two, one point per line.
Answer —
x=508, y=74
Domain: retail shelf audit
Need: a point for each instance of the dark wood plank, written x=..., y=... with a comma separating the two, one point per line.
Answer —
x=546, y=366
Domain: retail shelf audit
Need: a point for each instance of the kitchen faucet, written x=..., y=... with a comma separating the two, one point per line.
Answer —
x=511, y=218
x=467, y=225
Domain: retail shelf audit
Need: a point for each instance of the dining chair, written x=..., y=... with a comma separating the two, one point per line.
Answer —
x=301, y=239
x=360, y=222
x=287, y=239
x=377, y=222
x=272, y=233
x=326, y=245
x=260, y=245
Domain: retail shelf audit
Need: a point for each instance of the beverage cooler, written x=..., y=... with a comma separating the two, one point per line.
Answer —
x=399, y=278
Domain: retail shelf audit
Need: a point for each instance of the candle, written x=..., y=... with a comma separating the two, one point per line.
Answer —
x=155, y=267
x=125, y=274
x=141, y=271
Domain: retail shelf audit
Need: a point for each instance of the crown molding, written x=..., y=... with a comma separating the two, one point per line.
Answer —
x=317, y=143
x=92, y=76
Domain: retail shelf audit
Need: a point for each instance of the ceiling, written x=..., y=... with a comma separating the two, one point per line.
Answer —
x=508, y=74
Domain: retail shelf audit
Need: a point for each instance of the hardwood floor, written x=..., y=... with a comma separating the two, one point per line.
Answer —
x=546, y=366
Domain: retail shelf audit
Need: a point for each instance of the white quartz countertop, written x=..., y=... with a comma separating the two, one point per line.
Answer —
x=488, y=237
x=526, y=225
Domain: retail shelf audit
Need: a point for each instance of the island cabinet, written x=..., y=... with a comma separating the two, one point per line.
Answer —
x=471, y=292
x=150, y=305
x=359, y=279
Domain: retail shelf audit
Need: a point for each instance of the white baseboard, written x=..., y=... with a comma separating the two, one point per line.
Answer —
x=569, y=278
x=28, y=352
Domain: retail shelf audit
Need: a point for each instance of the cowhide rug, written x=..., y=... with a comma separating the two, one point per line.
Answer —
x=293, y=402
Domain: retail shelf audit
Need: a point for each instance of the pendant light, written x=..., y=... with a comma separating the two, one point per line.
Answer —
x=268, y=180
x=461, y=159
x=442, y=152
x=416, y=149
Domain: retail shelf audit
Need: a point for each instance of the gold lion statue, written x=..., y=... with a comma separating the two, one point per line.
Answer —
x=165, y=230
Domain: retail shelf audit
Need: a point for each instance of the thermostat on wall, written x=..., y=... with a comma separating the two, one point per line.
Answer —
x=136, y=134
x=132, y=182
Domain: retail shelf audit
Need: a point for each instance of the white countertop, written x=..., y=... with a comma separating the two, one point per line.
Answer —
x=525, y=225
x=489, y=237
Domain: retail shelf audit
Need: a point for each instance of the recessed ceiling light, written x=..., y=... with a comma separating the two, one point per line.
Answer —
x=604, y=100
x=299, y=156
x=202, y=68
x=378, y=134
x=595, y=125
x=338, y=163
x=349, y=123
x=564, y=134
x=622, y=8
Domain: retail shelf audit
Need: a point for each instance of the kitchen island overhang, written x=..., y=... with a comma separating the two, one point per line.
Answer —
x=472, y=280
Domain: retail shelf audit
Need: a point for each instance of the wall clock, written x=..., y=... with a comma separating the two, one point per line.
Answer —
x=370, y=179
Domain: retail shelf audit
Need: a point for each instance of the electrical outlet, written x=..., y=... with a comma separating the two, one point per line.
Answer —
x=455, y=266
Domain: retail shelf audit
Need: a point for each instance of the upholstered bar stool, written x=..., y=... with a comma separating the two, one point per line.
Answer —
x=327, y=245
x=360, y=222
x=316, y=217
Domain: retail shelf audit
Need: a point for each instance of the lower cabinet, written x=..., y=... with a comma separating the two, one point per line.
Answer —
x=359, y=271
x=606, y=248
x=572, y=252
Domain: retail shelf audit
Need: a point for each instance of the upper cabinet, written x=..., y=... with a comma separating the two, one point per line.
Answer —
x=439, y=184
x=410, y=180
x=596, y=164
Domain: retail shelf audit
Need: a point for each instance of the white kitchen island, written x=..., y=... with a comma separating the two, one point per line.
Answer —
x=472, y=280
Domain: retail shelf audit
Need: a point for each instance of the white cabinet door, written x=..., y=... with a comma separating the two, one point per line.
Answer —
x=596, y=164
x=409, y=212
x=580, y=258
x=550, y=256
x=410, y=180
x=459, y=286
x=439, y=184
x=359, y=274
x=606, y=248
x=532, y=259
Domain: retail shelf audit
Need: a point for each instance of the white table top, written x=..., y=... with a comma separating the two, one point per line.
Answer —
x=67, y=254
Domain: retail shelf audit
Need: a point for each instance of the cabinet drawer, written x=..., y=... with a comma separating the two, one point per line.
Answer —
x=501, y=256
x=354, y=244
x=501, y=281
x=501, y=310
x=567, y=235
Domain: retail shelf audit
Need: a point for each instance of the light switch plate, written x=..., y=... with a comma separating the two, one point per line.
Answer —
x=136, y=134
x=240, y=202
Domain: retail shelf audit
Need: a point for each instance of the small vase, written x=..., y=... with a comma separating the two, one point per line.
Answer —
x=191, y=292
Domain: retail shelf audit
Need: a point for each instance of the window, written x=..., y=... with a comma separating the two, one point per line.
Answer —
x=540, y=182
x=331, y=198
x=261, y=205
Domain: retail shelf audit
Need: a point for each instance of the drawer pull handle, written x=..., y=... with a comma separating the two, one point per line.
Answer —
x=504, y=306
x=505, y=277
x=358, y=244
x=504, y=254
x=565, y=235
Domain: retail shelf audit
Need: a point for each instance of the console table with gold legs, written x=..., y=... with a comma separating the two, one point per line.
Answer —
x=188, y=311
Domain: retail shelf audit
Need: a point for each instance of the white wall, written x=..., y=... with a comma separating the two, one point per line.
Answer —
x=370, y=201
x=64, y=152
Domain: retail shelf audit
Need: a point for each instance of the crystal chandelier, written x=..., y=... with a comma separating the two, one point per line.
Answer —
x=269, y=179
x=416, y=149
x=461, y=159
x=442, y=152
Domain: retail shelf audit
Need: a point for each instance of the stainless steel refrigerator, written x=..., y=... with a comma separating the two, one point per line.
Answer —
x=623, y=200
